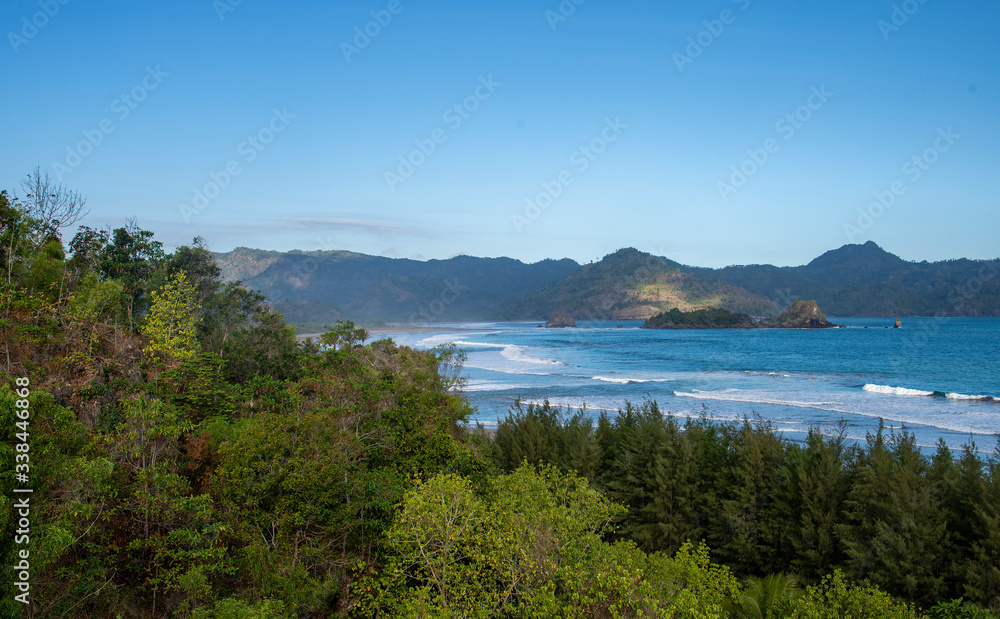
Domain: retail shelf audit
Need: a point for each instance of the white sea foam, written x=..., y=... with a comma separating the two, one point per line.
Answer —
x=449, y=338
x=896, y=390
x=962, y=396
x=627, y=380
x=511, y=352
x=516, y=353
x=462, y=343
x=486, y=385
x=493, y=368
x=919, y=392
x=759, y=373
x=733, y=395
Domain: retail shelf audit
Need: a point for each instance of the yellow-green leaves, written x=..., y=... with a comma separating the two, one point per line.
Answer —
x=172, y=320
x=530, y=545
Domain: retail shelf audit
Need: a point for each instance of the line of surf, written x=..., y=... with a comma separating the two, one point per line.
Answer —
x=907, y=392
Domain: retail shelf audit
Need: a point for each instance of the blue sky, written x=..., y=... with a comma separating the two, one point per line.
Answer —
x=579, y=128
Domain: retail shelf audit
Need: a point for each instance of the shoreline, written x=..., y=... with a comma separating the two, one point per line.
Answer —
x=389, y=331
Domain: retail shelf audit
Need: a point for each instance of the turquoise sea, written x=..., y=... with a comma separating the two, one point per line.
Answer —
x=938, y=377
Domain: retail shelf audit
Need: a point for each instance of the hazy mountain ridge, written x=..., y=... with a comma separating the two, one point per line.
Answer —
x=855, y=280
x=866, y=280
x=363, y=287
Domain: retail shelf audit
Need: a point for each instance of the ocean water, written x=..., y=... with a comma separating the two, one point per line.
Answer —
x=937, y=377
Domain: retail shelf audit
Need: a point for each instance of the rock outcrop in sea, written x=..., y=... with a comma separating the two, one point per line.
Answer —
x=560, y=320
x=701, y=319
x=801, y=315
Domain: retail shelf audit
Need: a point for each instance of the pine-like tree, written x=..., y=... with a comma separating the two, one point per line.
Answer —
x=894, y=534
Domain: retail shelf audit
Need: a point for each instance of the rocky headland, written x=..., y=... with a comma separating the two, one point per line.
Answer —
x=800, y=315
x=560, y=320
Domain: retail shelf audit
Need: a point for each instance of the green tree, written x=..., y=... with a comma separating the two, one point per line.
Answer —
x=808, y=505
x=250, y=338
x=894, y=532
x=97, y=301
x=531, y=545
x=836, y=598
x=86, y=247
x=15, y=229
x=744, y=540
x=172, y=321
x=528, y=434
x=982, y=576
x=45, y=272
x=131, y=256
x=198, y=265
x=343, y=335
x=766, y=598
x=656, y=479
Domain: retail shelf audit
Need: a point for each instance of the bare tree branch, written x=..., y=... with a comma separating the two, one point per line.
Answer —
x=51, y=203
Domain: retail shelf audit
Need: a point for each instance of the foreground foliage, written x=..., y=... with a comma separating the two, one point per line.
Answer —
x=924, y=529
x=190, y=458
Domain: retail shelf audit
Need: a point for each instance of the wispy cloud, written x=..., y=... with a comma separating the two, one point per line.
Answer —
x=351, y=224
x=337, y=232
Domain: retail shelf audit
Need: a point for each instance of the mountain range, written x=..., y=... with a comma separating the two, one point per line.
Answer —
x=866, y=280
x=317, y=288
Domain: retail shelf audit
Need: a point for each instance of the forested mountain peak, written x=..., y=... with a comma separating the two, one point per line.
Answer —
x=315, y=287
x=632, y=285
x=855, y=262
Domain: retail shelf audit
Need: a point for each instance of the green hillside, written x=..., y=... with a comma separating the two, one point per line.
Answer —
x=631, y=285
x=866, y=280
x=375, y=288
x=172, y=451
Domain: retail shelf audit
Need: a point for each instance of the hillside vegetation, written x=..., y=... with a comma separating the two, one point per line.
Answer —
x=375, y=288
x=631, y=285
x=865, y=280
x=188, y=458
x=700, y=319
x=317, y=288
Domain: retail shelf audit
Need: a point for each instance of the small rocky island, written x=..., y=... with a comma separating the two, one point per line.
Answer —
x=560, y=320
x=701, y=319
x=801, y=315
